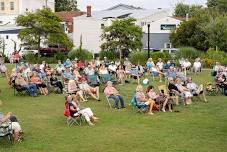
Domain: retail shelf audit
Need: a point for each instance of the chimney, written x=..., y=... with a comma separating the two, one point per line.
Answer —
x=88, y=11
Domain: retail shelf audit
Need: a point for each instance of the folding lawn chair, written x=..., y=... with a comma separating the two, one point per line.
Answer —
x=142, y=108
x=110, y=101
x=92, y=80
x=6, y=131
x=107, y=77
x=72, y=120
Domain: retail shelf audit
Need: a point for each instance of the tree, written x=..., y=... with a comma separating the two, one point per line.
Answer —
x=181, y=10
x=190, y=33
x=219, y=4
x=123, y=36
x=42, y=26
x=216, y=31
x=65, y=5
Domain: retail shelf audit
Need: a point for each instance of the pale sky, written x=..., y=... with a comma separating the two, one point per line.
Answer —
x=147, y=4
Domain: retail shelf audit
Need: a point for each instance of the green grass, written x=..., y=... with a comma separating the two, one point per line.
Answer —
x=198, y=128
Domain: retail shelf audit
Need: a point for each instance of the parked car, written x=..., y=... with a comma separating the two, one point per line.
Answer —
x=28, y=50
x=53, y=49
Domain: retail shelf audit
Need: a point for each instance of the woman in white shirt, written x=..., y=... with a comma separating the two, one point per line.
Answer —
x=185, y=91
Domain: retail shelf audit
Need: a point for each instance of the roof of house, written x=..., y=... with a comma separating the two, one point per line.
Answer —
x=68, y=16
x=10, y=27
x=124, y=7
x=137, y=14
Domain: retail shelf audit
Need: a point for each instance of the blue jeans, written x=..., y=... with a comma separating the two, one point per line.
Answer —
x=117, y=99
x=32, y=89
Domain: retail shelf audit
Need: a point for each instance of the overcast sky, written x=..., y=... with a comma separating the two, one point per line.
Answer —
x=148, y=4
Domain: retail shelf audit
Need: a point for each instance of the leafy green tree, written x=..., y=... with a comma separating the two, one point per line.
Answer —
x=219, y=4
x=190, y=33
x=216, y=31
x=123, y=36
x=181, y=10
x=65, y=5
x=42, y=26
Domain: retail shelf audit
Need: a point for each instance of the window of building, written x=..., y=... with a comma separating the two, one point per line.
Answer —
x=2, y=6
x=143, y=23
x=7, y=37
x=102, y=26
x=11, y=5
x=168, y=26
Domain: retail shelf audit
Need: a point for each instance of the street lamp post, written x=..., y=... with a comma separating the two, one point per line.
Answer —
x=148, y=41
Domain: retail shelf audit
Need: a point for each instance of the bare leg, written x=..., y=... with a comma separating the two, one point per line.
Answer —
x=80, y=94
x=151, y=104
x=97, y=92
x=164, y=104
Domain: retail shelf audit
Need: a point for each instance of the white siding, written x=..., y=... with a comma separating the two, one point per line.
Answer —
x=8, y=19
x=155, y=26
x=9, y=47
x=90, y=29
x=33, y=5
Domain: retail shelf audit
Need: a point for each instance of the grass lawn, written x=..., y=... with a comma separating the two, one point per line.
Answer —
x=198, y=128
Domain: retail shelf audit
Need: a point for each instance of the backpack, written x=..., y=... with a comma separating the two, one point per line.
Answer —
x=66, y=112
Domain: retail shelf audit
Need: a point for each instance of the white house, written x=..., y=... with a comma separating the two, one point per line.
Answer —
x=90, y=26
x=9, y=35
x=9, y=11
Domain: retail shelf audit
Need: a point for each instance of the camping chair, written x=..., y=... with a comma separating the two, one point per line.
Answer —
x=110, y=101
x=72, y=120
x=107, y=77
x=135, y=74
x=142, y=108
x=18, y=90
x=173, y=97
x=92, y=80
x=6, y=131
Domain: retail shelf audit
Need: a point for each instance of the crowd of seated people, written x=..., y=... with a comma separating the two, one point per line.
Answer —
x=220, y=77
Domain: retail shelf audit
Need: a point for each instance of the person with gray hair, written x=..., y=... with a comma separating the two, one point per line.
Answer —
x=112, y=93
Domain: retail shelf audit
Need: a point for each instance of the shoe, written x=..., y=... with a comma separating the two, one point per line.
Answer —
x=98, y=100
x=90, y=124
x=163, y=110
x=151, y=113
x=95, y=118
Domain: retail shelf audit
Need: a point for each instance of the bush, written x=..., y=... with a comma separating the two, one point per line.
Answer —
x=33, y=59
x=213, y=56
x=80, y=54
x=138, y=57
x=60, y=56
x=164, y=56
x=111, y=55
x=188, y=53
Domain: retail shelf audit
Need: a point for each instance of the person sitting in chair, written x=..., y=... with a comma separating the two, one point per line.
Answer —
x=112, y=93
x=161, y=98
x=34, y=79
x=17, y=131
x=195, y=89
x=75, y=110
x=31, y=88
x=73, y=89
x=92, y=91
x=185, y=91
x=142, y=99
